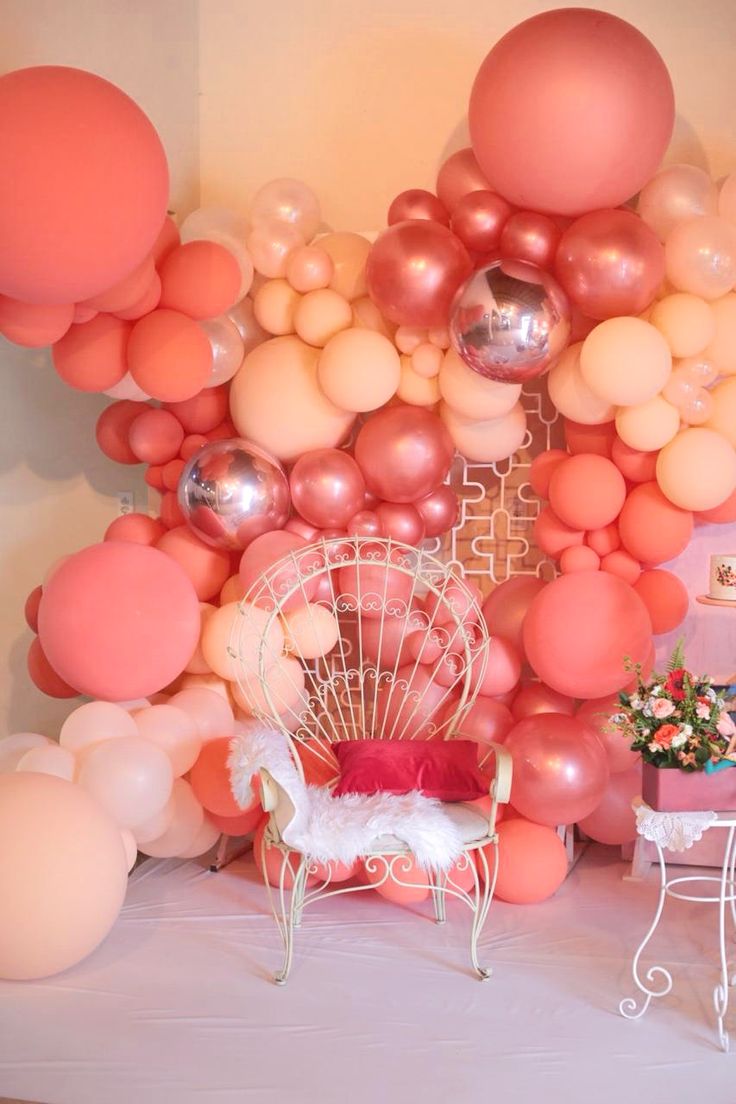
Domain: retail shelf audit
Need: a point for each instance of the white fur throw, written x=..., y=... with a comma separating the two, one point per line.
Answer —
x=341, y=829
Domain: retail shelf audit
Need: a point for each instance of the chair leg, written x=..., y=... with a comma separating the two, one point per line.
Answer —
x=482, y=898
x=290, y=914
x=439, y=897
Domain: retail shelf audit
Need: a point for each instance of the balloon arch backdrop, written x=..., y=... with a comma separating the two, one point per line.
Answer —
x=531, y=369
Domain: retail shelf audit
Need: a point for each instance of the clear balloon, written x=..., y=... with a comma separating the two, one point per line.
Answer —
x=327, y=487
x=270, y=244
x=231, y=492
x=700, y=256
x=478, y=220
x=251, y=332
x=287, y=201
x=510, y=321
x=675, y=194
x=227, y=349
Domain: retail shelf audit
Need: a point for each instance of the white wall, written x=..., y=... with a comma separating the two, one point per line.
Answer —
x=56, y=489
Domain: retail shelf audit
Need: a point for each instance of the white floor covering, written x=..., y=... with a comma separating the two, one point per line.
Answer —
x=177, y=1005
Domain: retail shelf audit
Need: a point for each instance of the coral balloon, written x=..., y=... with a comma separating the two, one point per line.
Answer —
x=652, y=528
x=407, y=885
x=622, y=564
x=206, y=567
x=92, y=356
x=138, y=528
x=459, y=175
x=596, y=714
x=587, y=492
x=532, y=863
x=416, y=203
x=111, y=431
x=552, y=536
x=625, y=361
x=589, y=438
x=579, y=557
x=666, y=598
x=210, y=779
x=34, y=324
x=535, y=697
x=130, y=777
x=404, y=453
x=697, y=469
x=487, y=721
x=201, y=279
x=44, y=676
x=478, y=221
x=635, y=465
x=155, y=436
x=613, y=820
x=169, y=356
x=526, y=126
x=541, y=469
x=581, y=628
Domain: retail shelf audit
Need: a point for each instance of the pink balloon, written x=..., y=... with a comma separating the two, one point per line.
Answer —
x=327, y=487
x=613, y=820
x=503, y=669
x=610, y=263
x=387, y=641
x=535, y=697
x=459, y=175
x=400, y=521
x=529, y=236
x=174, y=731
x=506, y=606
x=560, y=769
x=404, y=452
x=478, y=220
x=262, y=554
x=302, y=529
x=457, y=599
x=487, y=721
x=439, y=511
x=413, y=271
x=378, y=589
x=597, y=713
x=416, y=203
x=130, y=777
x=559, y=124
x=365, y=523
x=416, y=712
x=118, y=620
x=211, y=713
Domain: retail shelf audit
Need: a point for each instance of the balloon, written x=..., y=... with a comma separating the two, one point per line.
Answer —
x=635, y=465
x=275, y=401
x=44, y=676
x=249, y=631
x=719, y=356
x=138, y=528
x=210, y=779
x=506, y=606
x=459, y=175
x=648, y=426
x=426, y=360
x=551, y=534
x=93, y=196
x=119, y=620
x=203, y=412
x=155, y=436
x=92, y=356
x=293, y=574
x=605, y=540
x=439, y=510
x=309, y=268
x=416, y=203
x=723, y=416
x=364, y=524
x=535, y=697
x=560, y=768
x=596, y=714
x=242, y=316
x=206, y=567
x=652, y=528
x=130, y=777
x=613, y=820
x=34, y=324
x=587, y=491
x=287, y=201
x=280, y=693
x=126, y=293
x=226, y=346
x=541, y=469
x=359, y=370
x=486, y=441
x=478, y=221
x=320, y=315
x=502, y=671
x=487, y=721
x=169, y=356
x=578, y=557
x=414, y=270
x=14, y=748
x=400, y=521
x=241, y=825
x=528, y=236
x=205, y=839
x=589, y=438
x=674, y=195
x=231, y=492
x=270, y=244
x=172, y=730
x=625, y=361
x=185, y=817
x=210, y=712
x=269, y=861
x=610, y=263
x=111, y=431
x=311, y=631
x=417, y=389
x=404, y=453
x=378, y=588
x=30, y=610
x=406, y=869
x=547, y=149
x=349, y=253
x=571, y=395
x=700, y=256
x=510, y=321
x=581, y=628
x=387, y=640
x=622, y=564
x=532, y=862
x=49, y=760
x=201, y=279
x=697, y=469
x=720, y=514
x=473, y=395
x=94, y=722
x=687, y=323
x=666, y=598
x=63, y=875
x=275, y=305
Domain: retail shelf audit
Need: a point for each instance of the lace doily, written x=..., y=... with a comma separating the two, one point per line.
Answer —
x=673, y=831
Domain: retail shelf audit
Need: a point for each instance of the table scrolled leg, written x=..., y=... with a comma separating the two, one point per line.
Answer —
x=657, y=981
x=720, y=992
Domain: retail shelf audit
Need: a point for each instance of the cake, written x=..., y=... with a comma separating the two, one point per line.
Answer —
x=723, y=578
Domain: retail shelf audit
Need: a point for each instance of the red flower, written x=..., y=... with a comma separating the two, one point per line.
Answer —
x=675, y=684
x=664, y=735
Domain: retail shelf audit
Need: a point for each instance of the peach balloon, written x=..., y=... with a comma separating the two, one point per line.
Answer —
x=172, y=730
x=359, y=370
x=366, y=316
x=210, y=711
x=309, y=268
x=666, y=598
x=13, y=748
x=310, y=631
x=198, y=665
x=721, y=350
x=579, y=558
x=50, y=759
x=205, y=839
x=636, y=466
x=651, y=527
x=250, y=631
x=282, y=691
x=489, y=440
x=416, y=389
x=535, y=697
x=687, y=323
x=349, y=253
x=571, y=395
x=532, y=863
x=63, y=875
x=130, y=777
x=201, y=279
x=276, y=401
x=587, y=492
x=216, y=639
x=94, y=722
x=697, y=470
x=551, y=534
x=625, y=361
x=206, y=567
x=274, y=307
x=700, y=256
x=622, y=564
x=185, y=823
x=409, y=338
x=130, y=847
x=426, y=360
x=321, y=314
x=270, y=244
x=648, y=426
x=169, y=355
x=675, y=194
x=723, y=415
x=596, y=713
x=470, y=395
x=156, y=825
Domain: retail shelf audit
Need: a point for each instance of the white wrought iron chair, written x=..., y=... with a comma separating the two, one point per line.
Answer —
x=365, y=687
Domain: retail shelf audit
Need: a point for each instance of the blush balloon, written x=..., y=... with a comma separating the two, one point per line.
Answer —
x=416, y=203
x=613, y=820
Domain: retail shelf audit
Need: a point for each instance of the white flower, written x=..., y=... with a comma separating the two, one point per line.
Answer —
x=662, y=707
x=710, y=694
x=656, y=689
x=654, y=746
x=702, y=711
x=645, y=731
x=686, y=730
x=636, y=703
x=680, y=738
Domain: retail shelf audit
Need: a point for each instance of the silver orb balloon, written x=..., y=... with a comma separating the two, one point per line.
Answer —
x=232, y=491
x=510, y=321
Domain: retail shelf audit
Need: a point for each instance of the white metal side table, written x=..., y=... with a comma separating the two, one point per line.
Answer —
x=677, y=832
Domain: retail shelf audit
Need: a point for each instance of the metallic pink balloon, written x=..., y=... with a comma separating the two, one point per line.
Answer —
x=417, y=203
x=413, y=271
x=404, y=452
x=610, y=263
x=401, y=521
x=302, y=528
x=560, y=768
x=439, y=510
x=365, y=524
x=532, y=237
x=459, y=175
x=327, y=487
x=479, y=219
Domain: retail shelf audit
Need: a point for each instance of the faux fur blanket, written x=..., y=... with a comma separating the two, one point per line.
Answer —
x=345, y=828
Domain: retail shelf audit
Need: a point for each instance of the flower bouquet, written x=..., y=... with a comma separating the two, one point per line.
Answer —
x=680, y=726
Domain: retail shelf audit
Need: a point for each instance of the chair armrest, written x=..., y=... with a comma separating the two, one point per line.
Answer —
x=277, y=803
x=500, y=790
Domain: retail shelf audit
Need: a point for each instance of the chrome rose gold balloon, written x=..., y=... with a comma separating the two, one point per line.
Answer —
x=401, y=521
x=365, y=524
x=479, y=219
x=510, y=321
x=404, y=453
x=230, y=492
x=529, y=236
x=327, y=487
x=439, y=510
x=417, y=203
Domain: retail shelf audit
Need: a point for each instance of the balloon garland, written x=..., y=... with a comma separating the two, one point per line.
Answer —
x=280, y=383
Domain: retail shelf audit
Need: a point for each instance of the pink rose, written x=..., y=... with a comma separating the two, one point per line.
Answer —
x=663, y=708
x=725, y=726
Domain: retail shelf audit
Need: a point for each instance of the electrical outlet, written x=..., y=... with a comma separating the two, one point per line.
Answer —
x=126, y=503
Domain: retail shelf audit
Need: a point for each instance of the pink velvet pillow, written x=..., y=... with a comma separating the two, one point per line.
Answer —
x=445, y=769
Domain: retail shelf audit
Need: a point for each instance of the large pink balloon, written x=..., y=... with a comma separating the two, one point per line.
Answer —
x=327, y=487
x=579, y=631
x=118, y=620
x=610, y=263
x=560, y=769
x=613, y=821
x=413, y=271
x=571, y=111
x=404, y=453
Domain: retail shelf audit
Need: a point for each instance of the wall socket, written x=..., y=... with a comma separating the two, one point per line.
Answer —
x=126, y=503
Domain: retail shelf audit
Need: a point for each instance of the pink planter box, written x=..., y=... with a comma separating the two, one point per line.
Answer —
x=674, y=791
